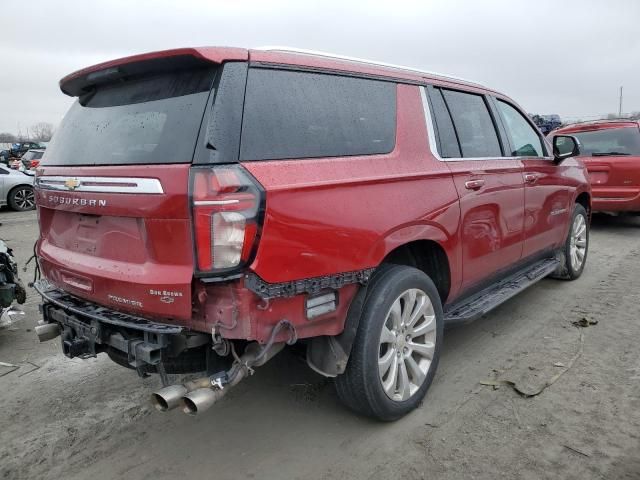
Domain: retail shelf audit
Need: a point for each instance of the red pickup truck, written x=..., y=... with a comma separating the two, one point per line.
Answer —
x=202, y=208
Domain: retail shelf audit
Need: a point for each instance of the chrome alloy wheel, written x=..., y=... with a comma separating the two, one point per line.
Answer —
x=24, y=199
x=578, y=243
x=407, y=344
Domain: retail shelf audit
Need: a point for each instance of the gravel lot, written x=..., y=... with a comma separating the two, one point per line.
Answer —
x=77, y=419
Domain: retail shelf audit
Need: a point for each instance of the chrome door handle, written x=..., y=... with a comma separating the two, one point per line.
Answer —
x=530, y=178
x=474, y=184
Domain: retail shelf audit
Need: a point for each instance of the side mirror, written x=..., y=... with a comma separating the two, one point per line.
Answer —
x=565, y=146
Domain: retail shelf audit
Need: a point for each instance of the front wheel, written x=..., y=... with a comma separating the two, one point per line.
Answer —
x=576, y=247
x=397, y=347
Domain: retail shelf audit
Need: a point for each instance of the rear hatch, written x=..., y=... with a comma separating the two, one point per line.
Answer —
x=112, y=188
x=612, y=157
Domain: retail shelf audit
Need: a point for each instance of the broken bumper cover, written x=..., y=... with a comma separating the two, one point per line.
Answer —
x=89, y=329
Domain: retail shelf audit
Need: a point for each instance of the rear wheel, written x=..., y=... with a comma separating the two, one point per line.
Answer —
x=576, y=246
x=397, y=347
x=22, y=198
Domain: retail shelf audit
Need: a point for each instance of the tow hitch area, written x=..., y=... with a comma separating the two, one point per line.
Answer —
x=86, y=330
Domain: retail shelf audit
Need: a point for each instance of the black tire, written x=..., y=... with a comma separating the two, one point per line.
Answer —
x=567, y=270
x=22, y=198
x=360, y=386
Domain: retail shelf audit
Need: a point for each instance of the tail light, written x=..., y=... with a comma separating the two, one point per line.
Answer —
x=227, y=206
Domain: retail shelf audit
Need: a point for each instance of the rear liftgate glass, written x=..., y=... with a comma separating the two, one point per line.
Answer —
x=150, y=119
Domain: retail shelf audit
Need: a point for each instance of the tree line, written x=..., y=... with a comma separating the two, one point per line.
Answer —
x=40, y=132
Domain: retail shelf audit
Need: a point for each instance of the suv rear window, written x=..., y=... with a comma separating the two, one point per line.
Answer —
x=611, y=141
x=31, y=155
x=145, y=120
x=290, y=114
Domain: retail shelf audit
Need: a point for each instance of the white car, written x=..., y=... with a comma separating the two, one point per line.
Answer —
x=16, y=189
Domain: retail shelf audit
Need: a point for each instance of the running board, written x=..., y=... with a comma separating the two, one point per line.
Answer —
x=473, y=307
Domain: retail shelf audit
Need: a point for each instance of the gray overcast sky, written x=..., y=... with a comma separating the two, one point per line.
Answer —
x=565, y=57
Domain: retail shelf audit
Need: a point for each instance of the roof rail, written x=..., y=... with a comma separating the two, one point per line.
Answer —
x=316, y=53
x=602, y=120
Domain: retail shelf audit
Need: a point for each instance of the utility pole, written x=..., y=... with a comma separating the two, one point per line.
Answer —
x=620, y=106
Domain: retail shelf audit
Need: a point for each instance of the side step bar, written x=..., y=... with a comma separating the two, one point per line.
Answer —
x=478, y=304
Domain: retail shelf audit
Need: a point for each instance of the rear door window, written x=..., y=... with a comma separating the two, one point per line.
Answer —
x=525, y=140
x=447, y=140
x=145, y=120
x=473, y=124
x=292, y=114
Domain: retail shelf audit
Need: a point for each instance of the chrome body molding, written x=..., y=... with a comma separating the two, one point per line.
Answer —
x=100, y=184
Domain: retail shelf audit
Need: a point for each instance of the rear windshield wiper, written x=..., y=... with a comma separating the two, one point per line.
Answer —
x=606, y=154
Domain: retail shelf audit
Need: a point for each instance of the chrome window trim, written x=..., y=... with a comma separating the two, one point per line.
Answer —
x=432, y=138
x=110, y=184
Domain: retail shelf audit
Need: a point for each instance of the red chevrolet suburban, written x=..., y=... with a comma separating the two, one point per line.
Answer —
x=610, y=149
x=201, y=208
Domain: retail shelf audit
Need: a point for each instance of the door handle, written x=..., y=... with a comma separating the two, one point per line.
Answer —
x=474, y=184
x=530, y=178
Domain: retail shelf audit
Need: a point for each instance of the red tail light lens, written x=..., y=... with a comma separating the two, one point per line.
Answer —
x=226, y=203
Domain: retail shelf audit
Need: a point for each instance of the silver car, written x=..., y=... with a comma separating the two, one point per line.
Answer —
x=16, y=189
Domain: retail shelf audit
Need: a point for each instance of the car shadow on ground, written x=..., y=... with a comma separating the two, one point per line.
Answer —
x=603, y=221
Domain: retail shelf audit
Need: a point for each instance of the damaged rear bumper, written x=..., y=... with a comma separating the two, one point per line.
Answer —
x=87, y=329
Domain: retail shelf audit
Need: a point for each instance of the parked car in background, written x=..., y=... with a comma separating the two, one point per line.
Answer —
x=16, y=189
x=20, y=148
x=31, y=159
x=201, y=208
x=611, y=151
x=546, y=123
x=17, y=150
x=5, y=155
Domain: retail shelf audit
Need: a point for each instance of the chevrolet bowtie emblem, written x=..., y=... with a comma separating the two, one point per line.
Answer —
x=72, y=183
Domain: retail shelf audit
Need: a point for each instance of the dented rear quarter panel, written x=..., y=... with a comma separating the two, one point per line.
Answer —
x=332, y=215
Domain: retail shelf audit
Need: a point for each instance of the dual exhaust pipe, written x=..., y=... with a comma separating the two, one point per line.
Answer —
x=172, y=396
x=201, y=394
x=47, y=331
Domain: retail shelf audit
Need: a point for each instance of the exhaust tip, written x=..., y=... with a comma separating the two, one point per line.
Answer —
x=189, y=407
x=168, y=398
x=199, y=400
x=47, y=331
x=159, y=402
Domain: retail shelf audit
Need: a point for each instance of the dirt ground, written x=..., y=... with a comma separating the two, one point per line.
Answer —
x=78, y=419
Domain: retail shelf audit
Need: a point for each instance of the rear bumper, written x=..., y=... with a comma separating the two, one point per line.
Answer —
x=88, y=329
